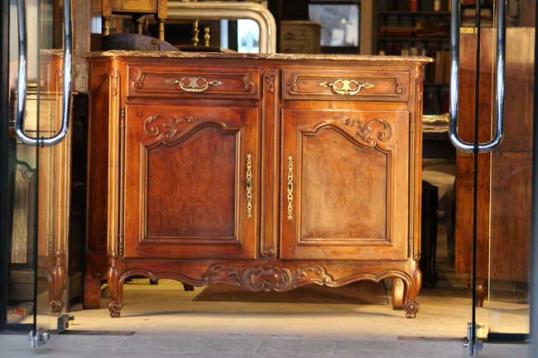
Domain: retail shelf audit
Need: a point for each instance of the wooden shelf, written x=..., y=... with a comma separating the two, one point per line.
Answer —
x=414, y=13
x=399, y=29
x=413, y=38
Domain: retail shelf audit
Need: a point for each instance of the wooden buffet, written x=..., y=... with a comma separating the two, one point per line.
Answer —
x=266, y=172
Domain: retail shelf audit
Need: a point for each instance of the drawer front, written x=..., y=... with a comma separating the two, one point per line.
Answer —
x=193, y=82
x=368, y=84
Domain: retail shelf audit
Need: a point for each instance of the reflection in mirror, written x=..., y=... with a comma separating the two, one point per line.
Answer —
x=340, y=24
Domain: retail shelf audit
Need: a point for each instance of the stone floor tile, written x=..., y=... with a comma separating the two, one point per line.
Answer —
x=429, y=349
x=158, y=343
x=504, y=351
x=236, y=344
x=285, y=347
x=359, y=349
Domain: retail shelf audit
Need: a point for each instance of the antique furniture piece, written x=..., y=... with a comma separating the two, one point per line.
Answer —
x=135, y=7
x=266, y=172
x=300, y=37
x=504, y=180
x=52, y=181
x=207, y=10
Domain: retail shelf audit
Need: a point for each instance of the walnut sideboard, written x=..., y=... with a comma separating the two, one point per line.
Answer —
x=265, y=172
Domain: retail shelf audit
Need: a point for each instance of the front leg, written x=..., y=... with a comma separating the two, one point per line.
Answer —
x=115, y=286
x=398, y=292
x=411, y=292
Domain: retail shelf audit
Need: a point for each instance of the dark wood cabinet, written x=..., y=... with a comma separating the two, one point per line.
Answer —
x=263, y=172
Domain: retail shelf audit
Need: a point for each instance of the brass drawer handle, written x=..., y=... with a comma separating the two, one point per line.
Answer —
x=290, y=188
x=194, y=84
x=346, y=87
x=250, y=206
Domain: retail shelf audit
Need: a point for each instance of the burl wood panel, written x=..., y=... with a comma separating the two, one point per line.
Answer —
x=349, y=173
x=361, y=180
x=189, y=198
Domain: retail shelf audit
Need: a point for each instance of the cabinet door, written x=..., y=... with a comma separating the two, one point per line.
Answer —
x=191, y=177
x=345, y=185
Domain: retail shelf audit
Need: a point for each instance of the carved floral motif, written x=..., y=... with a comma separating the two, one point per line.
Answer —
x=399, y=89
x=292, y=85
x=269, y=80
x=138, y=83
x=248, y=84
x=268, y=277
x=370, y=132
x=268, y=252
x=165, y=129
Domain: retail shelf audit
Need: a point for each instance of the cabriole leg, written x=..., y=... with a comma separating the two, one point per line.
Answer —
x=116, y=289
x=411, y=292
x=398, y=292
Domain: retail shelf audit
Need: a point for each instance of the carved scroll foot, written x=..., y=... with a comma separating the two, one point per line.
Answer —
x=57, y=283
x=398, y=292
x=153, y=281
x=114, y=307
x=481, y=293
x=411, y=292
x=115, y=286
x=411, y=309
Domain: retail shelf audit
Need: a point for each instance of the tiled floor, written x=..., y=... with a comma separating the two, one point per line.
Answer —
x=237, y=346
x=167, y=308
x=166, y=321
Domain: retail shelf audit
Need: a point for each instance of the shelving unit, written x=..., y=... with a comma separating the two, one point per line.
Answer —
x=424, y=32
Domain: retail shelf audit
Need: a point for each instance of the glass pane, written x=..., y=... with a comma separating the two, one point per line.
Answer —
x=22, y=196
x=39, y=175
x=53, y=174
x=504, y=183
x=511, y=188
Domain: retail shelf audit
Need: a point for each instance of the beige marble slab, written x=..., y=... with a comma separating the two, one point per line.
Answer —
x=276, y=56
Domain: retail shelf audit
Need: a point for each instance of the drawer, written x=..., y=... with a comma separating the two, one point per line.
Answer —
x=193, y=82
x=363, y=84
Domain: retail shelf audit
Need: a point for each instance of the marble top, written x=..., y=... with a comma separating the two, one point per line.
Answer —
x=275, y=56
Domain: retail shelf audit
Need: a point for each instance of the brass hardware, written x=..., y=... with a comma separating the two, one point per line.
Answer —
x=249, y=186
x=195, y=32
x=122, y=117
x=207, y=36
x=290, y=188
x=194, y=84
x=346, y=87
